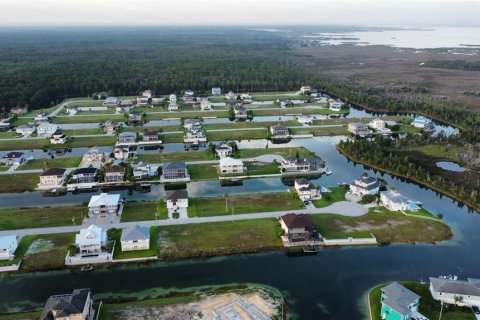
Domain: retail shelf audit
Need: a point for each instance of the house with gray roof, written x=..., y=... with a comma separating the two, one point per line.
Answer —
x=127, y=137
x=399, y=303
x=453, y=291
x=176, y=199
x=395, y=201
x=77, y=305
x=365, y=185
x=135, y=238
x=174, y=171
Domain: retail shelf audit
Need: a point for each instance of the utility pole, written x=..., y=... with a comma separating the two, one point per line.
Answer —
x=441, y=309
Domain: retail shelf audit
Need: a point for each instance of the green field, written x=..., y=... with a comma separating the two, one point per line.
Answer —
x=24, y=144
x=80, y=132
x=92, y=141
x=219, y=238
x=24, y=218
x=29, y=315
x=249, y=124
x=386, y=226
x=9, y=134
x=241, y=204
x=119, y=254
x=51, y=163
x=19, y=182
x=176, y=156
x=337, y=194
x=4, y=168
x=428, y=306
x=236, y=135
x=50, y=251
x=203, y=171
x=172, y=138
x=89, y=118
x=421, y=212
x=143, y=210
x=437, y=151
x=284, y=152
x=319, y=132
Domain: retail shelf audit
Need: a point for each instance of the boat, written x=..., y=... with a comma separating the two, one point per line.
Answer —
x=342, y=184
x=88, y=267
x=328, y=172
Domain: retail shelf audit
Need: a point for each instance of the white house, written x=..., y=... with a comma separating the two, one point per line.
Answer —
x=172, y=104
x=85, y=175
x=293, y=164
x=144, y=169
x=194, y=135
x=306, y=190
x=135, y=238
x=365, y=185
x=176, y=199
x=452, y=291
x=114, y=174
x=53, y=177
x=205, y=105
x=111, y=101
x=40, y=118
x=172, y=98
x=335, y=105
x=192, y=123
x=58, y=138
x=90, y=241
x=23, y=130
x=231, y=95
x=358, y=128
x=147, y=94
x=216, y=91
x=127, y=138
x=229, y=165
x=395, y=201
x=142, y=101
x=223, y=150
x=423, y=123
x=104, y=203
x=246, y=97
x=377, y=124
x=305, y=89
x=47, y=129
x=8, y=245
x=14, y=158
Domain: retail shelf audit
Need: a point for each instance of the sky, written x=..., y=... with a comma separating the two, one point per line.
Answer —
x=240, y=12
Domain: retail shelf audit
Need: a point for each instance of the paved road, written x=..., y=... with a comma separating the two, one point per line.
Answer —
x=343, y=208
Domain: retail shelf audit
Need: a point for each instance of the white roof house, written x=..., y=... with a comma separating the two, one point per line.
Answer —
x=335, y=105
x=216, y=91
x=135, y=238
x=223, y=150
x=47, y=128
x=452, y=291
x=230, y=165
x=8, y=245
x=90, y=240
x=395, y=201
x=104, y=203
x=377, y=124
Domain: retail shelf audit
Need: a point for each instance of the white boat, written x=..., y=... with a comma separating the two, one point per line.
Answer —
x=328, y=172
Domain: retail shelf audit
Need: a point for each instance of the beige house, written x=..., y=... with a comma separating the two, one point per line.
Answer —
x=135, y=238
x=229, y=165
x=114, y=174
x=74, y=306
x=298, y=227
x=53, y=177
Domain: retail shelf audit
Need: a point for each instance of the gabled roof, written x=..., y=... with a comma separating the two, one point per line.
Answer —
x=104, y=199
x=13, y=155
x=394, y=196
x=135, y=233
x=399, y=297
x=151, y=133
x=174, y=165
x=228, y=161
x=86, y=170
x=174, y=195
x=471, y=287
x=223, y=146
x=114, y=168
x=293, y=220
x=65, y=305
x=53, y=172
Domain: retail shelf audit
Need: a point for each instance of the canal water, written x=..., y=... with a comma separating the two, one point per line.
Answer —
x=330, y=285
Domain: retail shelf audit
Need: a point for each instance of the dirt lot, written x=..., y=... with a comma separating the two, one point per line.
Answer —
x=391, y=69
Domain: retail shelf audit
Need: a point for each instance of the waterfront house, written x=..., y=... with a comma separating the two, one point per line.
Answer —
x=176, y=199
x=246, y=97
x=144, y=169
x=90, y=241
x=41, y=118
x=104, y=203
x=395, y=201
x=377, y=124
x=122, y=108
x=114, y=174
x=135, y=118
x=305, y=89
x=293, y=164
x=111, y=102
x=305, y=119
x=14, y=158
x=102, y=95
x=194, y=135
x=93, y=156
x=173, y=171
x=123, y=153
x=172, y=104
x=5, y=124
x=53, y=177
x=358, y=128
x=142, y=101
x=205, y=105
x=365, y=185
x=135, y=238
x=452, y=291
x=127, y=138
x=146, y=94
x=8, y=245
x=75, y=306
x=85, y=175
x=399, y=303
x=279, y=132
x=240, y=112
x=25, y=130
x=306, y=190
x=110, y=126
x=335, y=105
x=58, y=137
x=150, y=136
x=229, y=165
x=47, y=129
x=223, y=150
x=231, y=96
x=192, y=123
x=298, y=227
x=216, y=91
x=423, y=123
x=18, y=110
x=188, y=97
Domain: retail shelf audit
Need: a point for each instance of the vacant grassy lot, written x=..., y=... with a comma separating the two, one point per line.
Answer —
x=51, y=163
x=428, y=306
x=18, y=182
x=259, y=168
x=237, y=135
x=386, y=226
x=437, y=151
x=324, y=131
x=172, y=138
x=422, y=212
x=203, y=171
x=249, y=124
x=24, y=144
x=187, y=114
x=245, y=203
x=4, y=168
x=143, y=210
x=78, y=132
x=284, y=152
x=23, y=218
x=337, y=194
x=30, y=315
x=20, y=252
x=89, y=118
x=47, y=252
x=9, y=134
x=119, y=254
x=220, y=238
x=92, y=141
x=177, y=156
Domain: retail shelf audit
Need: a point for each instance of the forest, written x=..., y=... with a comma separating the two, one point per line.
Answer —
x=39, y=68
x=454, y=64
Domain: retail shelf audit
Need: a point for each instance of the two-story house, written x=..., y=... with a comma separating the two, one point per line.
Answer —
x=399, y=303
x=53, y=177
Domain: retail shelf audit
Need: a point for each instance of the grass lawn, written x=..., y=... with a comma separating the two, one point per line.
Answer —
x=4, y=168
x=119, y=254
x=236, y=135
x=325, y=131
x=176, y=156
x=284, y=152
x=89, y=118
x=144, y=210
x=249, y=124
x=186, y=114
x=219, y=238
x=386, y=226
x=18, y=182
x=51, y=163
x=407, y=129
x=22, y=218
x=77, y=132
x=259, y=168
x=29, y=315
x=172, y=138
x=436, y=150
x=9, y=134
x=203, y=171
x=428, y=306
x=92, y=141
x=47, y=252
x=422, y=212
x=337, y=194
x=245, y=203
x=20, y=252
x=24, y=144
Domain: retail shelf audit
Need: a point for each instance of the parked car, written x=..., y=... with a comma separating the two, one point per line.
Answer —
x=476, y=310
